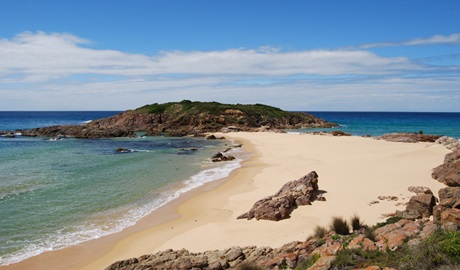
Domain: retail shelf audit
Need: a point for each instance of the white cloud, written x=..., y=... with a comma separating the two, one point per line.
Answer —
x=437, y=39
x=62, y=72
x=35, y=57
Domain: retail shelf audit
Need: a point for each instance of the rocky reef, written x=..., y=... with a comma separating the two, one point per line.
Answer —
x=185, y=118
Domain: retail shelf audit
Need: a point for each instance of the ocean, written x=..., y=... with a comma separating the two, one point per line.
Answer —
x=379, y=123
x=58, y=193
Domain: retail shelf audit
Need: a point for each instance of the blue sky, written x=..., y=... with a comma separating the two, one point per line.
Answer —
x=296, y=55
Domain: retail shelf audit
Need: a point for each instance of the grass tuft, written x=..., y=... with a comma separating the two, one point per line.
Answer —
x=340, y=226
x=356, y=223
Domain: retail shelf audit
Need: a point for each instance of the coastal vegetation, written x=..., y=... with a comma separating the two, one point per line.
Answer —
x=439, y=251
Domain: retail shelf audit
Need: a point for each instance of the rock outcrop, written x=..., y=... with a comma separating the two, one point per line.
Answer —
x=186, y=118
x=420, y=205
x=448, y=173
x=290, y=196
x=447, y=212
x=449, y=142
x=408, y=137
x=289, y=256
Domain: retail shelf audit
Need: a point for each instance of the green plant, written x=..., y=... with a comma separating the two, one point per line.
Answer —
x=340, y=226
x=389, y=220
x=335, y=237
x=308, y=261
x=439, y=251
x=320, y=242
x=369, y=233
x=450, y=244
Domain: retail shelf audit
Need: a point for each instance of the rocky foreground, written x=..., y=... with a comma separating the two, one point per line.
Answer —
x=405, y=230
x=182, y=119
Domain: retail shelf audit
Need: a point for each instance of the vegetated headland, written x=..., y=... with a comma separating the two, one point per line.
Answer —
x=184, y=118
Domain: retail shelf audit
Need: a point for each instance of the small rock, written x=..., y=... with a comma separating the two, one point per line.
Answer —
x=123, y=150
x=373, y=202
x=419, y=190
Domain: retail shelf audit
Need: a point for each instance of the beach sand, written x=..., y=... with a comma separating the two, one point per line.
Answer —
x=352, y=170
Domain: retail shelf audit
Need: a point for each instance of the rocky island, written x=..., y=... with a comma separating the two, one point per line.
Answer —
x=185, y=118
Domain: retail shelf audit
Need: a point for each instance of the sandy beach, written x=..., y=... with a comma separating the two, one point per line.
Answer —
x=352, y=170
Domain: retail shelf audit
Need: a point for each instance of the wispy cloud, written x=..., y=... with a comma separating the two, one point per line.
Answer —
x=35, y=57
x=437, y=39
x=62, y=71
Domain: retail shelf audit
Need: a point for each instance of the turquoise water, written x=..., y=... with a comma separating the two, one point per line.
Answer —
x=55, y=194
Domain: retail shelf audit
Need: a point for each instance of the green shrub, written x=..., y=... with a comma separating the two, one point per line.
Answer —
x=340, y=226
x=308, y=261
x=389, y=220
x=335, y=237
x=369, y=233
x=440, y=251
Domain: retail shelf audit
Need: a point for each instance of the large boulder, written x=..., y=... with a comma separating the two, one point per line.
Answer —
x=448, y=173
x=291, y=195
x=448, y=209
x=419, y=206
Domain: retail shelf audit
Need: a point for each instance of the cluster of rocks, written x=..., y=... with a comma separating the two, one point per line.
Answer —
x=409, y=137
x=293, y=194
x=219, y=157
x=335, y=133
x=424, y=203
x=447, y=212
x=288, y=256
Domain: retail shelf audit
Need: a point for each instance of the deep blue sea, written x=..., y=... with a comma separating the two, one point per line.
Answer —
x=379, y=123
x=58, y=193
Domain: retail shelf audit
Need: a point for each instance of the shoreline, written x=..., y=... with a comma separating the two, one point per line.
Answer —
x=352, y=170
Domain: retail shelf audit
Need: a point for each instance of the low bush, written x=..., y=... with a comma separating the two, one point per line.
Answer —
x=439, y=251
x=308, y=261
x=369, y=233
x=389, y=220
